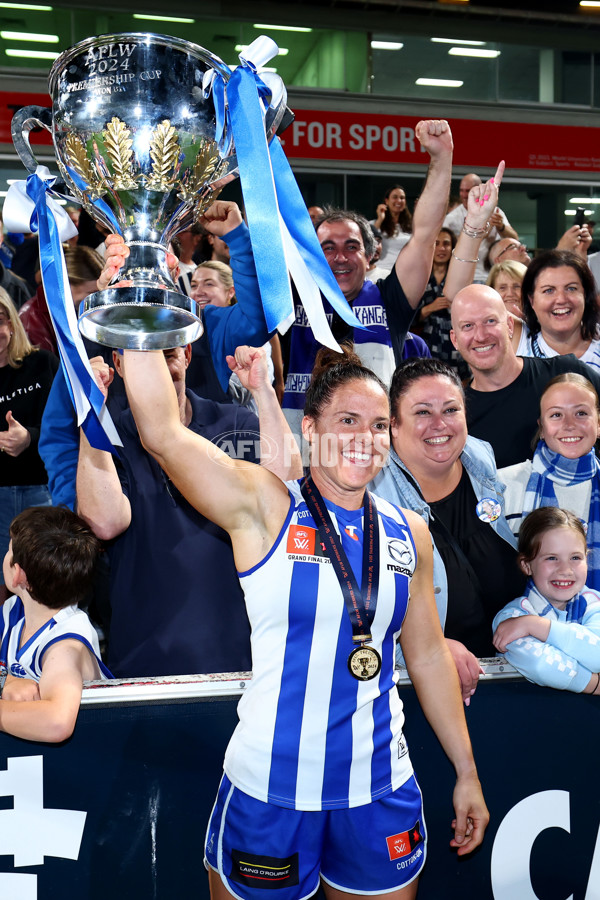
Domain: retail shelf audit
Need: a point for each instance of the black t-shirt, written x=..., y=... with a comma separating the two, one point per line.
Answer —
x=200, y=378
x=480, y=566
x=24, y=392
x=507, y=418
x=177, y=604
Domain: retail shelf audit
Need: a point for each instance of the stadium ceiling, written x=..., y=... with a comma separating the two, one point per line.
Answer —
x=480, y=11
x=472, y=10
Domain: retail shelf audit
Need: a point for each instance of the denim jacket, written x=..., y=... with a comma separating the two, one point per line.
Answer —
x=480, y=465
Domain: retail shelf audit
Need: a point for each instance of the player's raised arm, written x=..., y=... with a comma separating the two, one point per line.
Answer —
x=238, y=496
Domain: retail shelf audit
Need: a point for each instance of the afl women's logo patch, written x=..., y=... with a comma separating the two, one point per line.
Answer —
x=401, y=552
x=304, y=545
x=301, y=539
x=404, y=843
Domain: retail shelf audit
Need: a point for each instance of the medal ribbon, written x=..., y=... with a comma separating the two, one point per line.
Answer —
x=361, y=603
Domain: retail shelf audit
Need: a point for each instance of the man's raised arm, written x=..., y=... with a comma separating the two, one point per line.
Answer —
x=413, y=266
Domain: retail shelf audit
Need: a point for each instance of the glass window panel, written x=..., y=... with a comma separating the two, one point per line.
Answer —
x=395, y=72
x=365, y=193
x=519, y=73
x=55, y=22
x=574, y=70
x=596, y=68
x=330, y=59
x=321, y=188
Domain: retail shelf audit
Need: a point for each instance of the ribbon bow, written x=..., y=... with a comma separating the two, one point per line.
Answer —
x=29, y=208
x=282, y=234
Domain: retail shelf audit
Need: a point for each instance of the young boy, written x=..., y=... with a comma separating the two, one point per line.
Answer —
x=49, y=566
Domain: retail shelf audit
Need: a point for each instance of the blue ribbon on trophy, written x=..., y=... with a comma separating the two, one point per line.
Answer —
x=282, y=234
x=28, y=207
x=247, y=110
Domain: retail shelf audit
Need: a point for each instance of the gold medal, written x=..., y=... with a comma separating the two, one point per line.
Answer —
x=364, y=663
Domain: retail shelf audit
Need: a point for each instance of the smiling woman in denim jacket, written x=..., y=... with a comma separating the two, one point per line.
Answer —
x=450, y=479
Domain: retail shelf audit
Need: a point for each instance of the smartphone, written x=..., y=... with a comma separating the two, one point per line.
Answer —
x=579, y=216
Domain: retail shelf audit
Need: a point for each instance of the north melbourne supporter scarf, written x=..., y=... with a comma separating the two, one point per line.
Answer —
x=537, y=604
x=550, y=469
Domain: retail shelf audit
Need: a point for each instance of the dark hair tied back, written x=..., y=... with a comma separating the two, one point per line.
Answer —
x=411, y=370
x=332, y=370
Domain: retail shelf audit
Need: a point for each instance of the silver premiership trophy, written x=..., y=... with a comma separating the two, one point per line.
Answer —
x=141, y=145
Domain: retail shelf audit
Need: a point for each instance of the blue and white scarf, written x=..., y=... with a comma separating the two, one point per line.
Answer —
x=537, y=604
x=550, y=469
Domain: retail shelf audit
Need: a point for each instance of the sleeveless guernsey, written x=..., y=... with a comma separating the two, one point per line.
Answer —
x=310, y=736
x=69, y=623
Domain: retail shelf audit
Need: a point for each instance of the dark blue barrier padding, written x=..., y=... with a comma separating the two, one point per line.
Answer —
x=146, y=775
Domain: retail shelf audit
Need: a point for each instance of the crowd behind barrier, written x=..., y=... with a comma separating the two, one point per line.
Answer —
x=167, y=564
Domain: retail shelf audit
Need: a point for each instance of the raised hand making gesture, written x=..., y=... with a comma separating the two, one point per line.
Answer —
x=481, y=206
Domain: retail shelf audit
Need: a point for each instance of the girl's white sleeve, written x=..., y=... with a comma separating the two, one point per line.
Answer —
x=545, y=664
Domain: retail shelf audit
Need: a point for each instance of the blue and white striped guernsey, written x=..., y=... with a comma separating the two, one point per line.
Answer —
x=310, y=736
x=69, y=623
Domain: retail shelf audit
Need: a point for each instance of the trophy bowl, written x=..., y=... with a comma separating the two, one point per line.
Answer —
x=138, y=144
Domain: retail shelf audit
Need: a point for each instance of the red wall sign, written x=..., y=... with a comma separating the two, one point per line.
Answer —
x=10, y=103
x=373, y=138
x=366, y=137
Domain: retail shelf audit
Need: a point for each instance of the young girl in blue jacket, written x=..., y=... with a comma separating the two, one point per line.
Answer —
x=552, y=633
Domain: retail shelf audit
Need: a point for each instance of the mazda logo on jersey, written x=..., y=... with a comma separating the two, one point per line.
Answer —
x=401, y=552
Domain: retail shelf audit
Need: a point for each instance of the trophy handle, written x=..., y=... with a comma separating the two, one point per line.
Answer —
x=277, y=110
x=278, y=117
x=23, y=122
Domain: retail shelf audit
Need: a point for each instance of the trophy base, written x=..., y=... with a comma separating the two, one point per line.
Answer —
x=140, y=318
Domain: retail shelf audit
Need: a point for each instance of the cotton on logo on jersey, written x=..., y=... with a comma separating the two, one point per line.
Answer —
x=303, y=544
x=404, y=843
